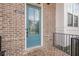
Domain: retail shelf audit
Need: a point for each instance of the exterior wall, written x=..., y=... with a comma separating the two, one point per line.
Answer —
x=13, y=29
x=60, y=23
x=60, y=18
x=71, y=8
x=49, y=13
x=74, y=9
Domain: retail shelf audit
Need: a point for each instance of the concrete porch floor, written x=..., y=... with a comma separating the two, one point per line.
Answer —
x=47, y=52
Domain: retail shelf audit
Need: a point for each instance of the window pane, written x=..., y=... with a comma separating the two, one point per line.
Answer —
x=75, y=21
x=70, y=19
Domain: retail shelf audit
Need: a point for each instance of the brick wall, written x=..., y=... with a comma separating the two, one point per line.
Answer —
x=13, y=28
x=49, y=24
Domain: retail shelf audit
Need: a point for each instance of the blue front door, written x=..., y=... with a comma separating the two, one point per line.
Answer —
x=33, y=26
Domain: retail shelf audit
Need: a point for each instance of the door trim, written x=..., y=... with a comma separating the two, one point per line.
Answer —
x=26, y=27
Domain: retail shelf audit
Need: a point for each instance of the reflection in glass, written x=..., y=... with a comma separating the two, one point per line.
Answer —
x=33, y=21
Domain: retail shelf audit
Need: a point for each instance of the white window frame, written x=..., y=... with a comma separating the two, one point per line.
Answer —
x=41, y=27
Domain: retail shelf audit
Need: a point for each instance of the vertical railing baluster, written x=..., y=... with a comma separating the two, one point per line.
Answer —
x=69, y=44
x=54, y=43
x=0, y=43
x=66, y=43
x=77, y=46
x=61, y=42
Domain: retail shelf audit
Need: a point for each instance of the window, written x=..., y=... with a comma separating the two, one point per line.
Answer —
x=70, y=19
x=75, y=21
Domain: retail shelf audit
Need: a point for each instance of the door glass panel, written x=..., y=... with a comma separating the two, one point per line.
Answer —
x=33, y=26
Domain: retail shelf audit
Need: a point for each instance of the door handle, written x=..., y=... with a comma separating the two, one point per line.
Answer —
x=27, y=33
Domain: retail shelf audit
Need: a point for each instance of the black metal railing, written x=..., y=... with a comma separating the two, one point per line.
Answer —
x=65, y=42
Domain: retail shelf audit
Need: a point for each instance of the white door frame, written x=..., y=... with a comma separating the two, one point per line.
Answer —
x=41, y=27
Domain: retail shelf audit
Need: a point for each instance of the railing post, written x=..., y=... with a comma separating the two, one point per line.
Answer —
x=0, y=43
x=53, y=38
x=71, y=46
